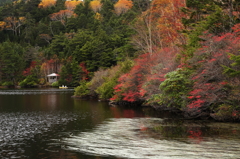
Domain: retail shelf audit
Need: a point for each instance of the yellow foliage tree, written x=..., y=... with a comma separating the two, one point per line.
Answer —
x=98, y=16
x=2, y=25
x=122, y=6
x=13, y=23
x=71, y=5
x=96, y=5
x=47, y=3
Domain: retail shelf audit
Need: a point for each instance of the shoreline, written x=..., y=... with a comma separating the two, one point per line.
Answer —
x=205, y=115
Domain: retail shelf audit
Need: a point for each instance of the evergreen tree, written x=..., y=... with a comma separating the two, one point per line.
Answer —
x=57, y=47
x=12, y=61
x=30, y=31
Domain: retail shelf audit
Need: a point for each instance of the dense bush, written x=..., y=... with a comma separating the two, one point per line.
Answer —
x=103, y=81
x=226, y=112
x=98, y=79
x=106, y=90
x=82, y=90
x=29, y=81
x=55, y=84
x=174, y=89
x=7, y=83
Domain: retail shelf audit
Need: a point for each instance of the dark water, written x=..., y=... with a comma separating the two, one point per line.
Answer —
x=48, y=123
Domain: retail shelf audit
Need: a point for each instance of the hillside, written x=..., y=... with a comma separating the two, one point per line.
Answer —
x=179, y=55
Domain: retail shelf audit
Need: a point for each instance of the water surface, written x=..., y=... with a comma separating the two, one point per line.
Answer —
x=48, y=123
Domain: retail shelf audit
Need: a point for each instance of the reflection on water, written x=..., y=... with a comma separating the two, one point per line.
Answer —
x=48, y=123
x=154, y=138
x=33, y=91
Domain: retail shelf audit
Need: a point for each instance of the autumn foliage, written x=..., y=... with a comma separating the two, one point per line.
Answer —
x=168, y=16
x=211, y=87
x=62, y=16
x=85, y=71
x=171, y=54
x=71, y=5
x=96, y=5
x=13, y=23
x=47, y=3
x=145, y=76
x=160, y=26
x=2, y=25
x=122, y=6
x=28, y=70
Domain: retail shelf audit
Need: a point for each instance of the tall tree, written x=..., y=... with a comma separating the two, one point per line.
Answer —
x=29, y=30
x=159, y=26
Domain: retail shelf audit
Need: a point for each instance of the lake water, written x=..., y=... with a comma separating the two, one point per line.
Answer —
x=49, y=124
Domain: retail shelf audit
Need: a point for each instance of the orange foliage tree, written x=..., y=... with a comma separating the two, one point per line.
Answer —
x=159, y=26
x=47, y=3
x=71, y=5
x=96, y=5
x=122, y=6
x=170, y=21
x=62, y=15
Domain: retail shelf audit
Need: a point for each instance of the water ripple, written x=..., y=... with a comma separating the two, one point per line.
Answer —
x=16, y=128
x=125, y=138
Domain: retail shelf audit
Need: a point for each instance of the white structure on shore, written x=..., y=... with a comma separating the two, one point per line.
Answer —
x=53, y=77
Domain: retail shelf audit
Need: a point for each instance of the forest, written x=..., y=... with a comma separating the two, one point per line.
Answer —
x=177, y=55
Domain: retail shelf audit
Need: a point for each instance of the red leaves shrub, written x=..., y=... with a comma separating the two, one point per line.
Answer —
x=85, y=71
x=129, y=83
x=164, y=63
x=226, y=113
x=145, y=76
x=27, y=71
x=210, y=88
x=236, y=29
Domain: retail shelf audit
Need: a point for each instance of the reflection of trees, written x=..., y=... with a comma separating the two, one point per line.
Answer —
x=118, y=112
x=195, y=134
x=129, y=113
x=170, y=132
x=52, y=101
x=187, y=131
x=115, y=111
